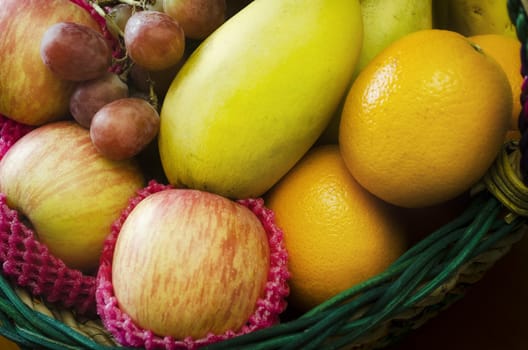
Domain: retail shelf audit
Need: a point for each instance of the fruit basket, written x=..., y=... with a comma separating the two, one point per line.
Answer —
x=429, y=277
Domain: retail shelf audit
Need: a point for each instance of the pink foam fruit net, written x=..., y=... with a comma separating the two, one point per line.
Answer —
x=267, y=311
x=26, y=261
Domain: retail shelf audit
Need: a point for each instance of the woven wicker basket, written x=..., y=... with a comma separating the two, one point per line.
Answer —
x=426, y=279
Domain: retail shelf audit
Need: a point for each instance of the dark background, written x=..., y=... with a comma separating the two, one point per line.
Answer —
x=493, y=315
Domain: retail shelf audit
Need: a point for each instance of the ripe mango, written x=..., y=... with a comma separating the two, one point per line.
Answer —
x=257, y=93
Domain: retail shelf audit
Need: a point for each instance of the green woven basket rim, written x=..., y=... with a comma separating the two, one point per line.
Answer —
x=427, y=278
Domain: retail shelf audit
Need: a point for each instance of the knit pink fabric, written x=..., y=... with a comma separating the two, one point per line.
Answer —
x=10, y=132
x=266, y=314
x=26, y=261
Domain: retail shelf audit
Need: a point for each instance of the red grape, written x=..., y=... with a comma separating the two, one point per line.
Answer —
x=117, y=17
x=75, y=52
x=123, y=128
x=90, y=96
x=199, y=18
x=154, y=40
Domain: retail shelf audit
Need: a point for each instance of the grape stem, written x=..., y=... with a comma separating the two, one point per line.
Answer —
x=133, y=3
x=136, y=3
x=153, y=98
x=99, y=6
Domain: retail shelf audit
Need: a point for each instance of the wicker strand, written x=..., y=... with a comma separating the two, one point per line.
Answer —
x=504, y=181
x=33, y=324
x=90, y=328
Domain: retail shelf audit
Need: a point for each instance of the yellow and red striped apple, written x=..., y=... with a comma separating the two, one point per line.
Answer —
x=68, y=191
x=189, y=262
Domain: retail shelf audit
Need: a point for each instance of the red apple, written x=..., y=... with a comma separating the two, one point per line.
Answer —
x=188, y=262
x=29, y=92
x=68, y=191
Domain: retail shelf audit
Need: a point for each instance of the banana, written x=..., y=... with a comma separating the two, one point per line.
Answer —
x=257, y=93
x=474, y=17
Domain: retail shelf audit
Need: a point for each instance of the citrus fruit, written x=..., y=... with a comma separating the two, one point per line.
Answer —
x=506, y=51
x=425, y=119
x=336, y=233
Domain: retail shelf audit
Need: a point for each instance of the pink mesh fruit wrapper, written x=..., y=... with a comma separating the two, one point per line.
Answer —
x=267, y=311
x=10, y=132
x=26, y=261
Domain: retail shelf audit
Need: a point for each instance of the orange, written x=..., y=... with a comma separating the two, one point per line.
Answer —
x=336, y=233
x=425, y=119
x=507, y=52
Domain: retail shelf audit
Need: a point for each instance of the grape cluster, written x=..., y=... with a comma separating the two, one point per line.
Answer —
x=120, y=107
